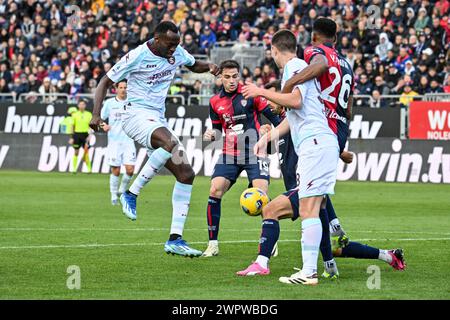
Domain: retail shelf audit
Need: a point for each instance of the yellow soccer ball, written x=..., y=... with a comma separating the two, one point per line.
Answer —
x=253, y=201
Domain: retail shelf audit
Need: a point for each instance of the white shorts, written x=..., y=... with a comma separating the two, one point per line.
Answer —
x=140, y=124
x=121, y=153
x=317, y=166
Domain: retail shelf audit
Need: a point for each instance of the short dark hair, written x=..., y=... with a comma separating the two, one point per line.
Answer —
x=284, y=40
x=325, y=27
x=274, y=84
x=123, y=80
x=229, y=64
x=165, y=26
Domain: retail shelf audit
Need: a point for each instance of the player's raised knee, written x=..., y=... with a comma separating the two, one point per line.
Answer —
x=270, y=211
x=216, y=192
x=186, y=175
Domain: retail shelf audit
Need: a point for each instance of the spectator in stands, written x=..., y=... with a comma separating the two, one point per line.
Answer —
x=407, y=96
x=33, y=83
x=207, y=39
x=190, y=45
x=246, y=73
x=377, y=101
x=4, y=89
x=381, y=86
x=409, y=68
x=267, y=74
x=401, y=60
x=422, y=20
x=384, y=46
x=47, y=89
x=423, y=87
x=303, y=36
x=5, y=74
x=435, y=87
x=35, y=32
x=363, y=87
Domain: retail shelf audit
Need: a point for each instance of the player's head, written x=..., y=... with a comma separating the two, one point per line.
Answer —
x=82, y=104
x=230, y=74
x=324, y=30
x=284, y=44
x=166, y=39
x=121, y=89
x=274, y=86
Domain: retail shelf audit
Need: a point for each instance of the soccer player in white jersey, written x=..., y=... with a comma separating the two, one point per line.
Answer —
x=149, y=70
x=318, y=151
x=121, y=148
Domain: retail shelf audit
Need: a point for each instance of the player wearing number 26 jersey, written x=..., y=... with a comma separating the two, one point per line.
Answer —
x=337, y=85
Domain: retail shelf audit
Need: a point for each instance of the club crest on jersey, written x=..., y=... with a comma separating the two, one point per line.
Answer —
x=171, y=60
x=244, y=103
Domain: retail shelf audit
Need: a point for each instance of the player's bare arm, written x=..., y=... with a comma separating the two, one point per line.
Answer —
x=260, y=148
x=99, y=95
x=202, y=67
x=349, y=107
x=318, y=65
x=289, y=100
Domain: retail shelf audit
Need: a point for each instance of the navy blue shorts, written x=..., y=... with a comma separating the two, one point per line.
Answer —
x=295, y=203
x=231, y=170
x=288, y=162
x=342, y=135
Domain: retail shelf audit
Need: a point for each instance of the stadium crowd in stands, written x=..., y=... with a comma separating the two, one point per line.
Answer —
x=47, y=46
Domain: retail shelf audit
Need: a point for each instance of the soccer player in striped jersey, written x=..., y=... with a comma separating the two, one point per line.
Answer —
x=240, y=120
x=335, y=76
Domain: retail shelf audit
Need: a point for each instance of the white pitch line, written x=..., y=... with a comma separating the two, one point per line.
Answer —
x=204, y=229
x=103, y=245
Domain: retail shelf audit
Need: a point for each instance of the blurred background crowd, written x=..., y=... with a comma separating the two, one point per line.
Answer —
x=48, y=46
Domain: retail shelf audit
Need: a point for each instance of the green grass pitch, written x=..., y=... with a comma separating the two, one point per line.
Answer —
x=52, y=221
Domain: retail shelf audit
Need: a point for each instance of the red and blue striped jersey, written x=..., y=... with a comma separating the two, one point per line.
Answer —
x=337, y=84
x=239, y=118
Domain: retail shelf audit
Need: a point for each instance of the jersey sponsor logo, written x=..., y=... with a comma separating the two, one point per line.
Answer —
x=160, y=75
x=149, y=66
x=239, y=117
x=332, y=114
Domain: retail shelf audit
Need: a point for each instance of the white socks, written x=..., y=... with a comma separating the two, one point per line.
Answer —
x=124, y=184
x=262, y=261
x=181, y=198
x=154, y=163
x=384, y=256
x=311, y=236
x=113, y=185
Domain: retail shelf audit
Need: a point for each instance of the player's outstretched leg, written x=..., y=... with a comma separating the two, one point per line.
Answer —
x=394, y=257
x=277, y=209
x=339, y=238
x=330, y=266
x=156, y=160
x=179, y=166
